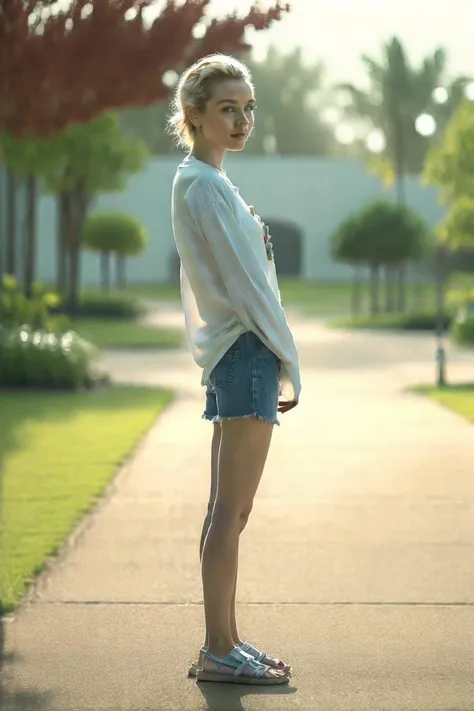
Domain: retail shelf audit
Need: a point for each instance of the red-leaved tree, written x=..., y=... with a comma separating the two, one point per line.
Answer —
x=60, y=66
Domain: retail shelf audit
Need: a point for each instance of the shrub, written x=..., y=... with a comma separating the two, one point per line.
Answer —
x=463, y=326
x=36, y=358
x=460, y=298
x=381, y=232
x=427, y=321
x=115, y=232
x=16, y=309
x=109, y=306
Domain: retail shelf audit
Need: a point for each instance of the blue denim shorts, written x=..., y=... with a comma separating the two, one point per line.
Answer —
x=244, y=383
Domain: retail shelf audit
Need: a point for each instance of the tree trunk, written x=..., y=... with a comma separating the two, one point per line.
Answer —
x=105, y=270
x=11, y=190
x=64, y=224
x=399, y=159
x=389, y=290
x=121, y=272
x=374, y=290
x=400, y=187
x=401, y=289
x=441, y=278
x=356, y=293
x=79, y=206
x=30, y=256
x=420, y=288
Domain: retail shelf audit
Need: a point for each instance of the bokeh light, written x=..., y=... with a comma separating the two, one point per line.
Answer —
x=425, y=125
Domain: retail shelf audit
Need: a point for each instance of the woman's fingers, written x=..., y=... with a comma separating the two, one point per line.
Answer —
x=285, y=405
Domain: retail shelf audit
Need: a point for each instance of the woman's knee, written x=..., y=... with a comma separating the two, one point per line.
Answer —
x=227, y=516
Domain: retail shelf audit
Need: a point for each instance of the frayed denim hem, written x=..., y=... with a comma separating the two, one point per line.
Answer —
x=239, y=417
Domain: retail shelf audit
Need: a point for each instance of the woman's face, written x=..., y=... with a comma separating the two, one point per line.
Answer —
x=228, y=118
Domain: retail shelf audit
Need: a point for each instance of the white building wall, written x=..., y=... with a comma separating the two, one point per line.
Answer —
x=314, y=194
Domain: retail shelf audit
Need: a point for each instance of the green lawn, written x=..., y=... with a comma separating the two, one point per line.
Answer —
x=333, y=299
x=162, y=292
x=125, y=333
x=459, y=398
x=59, y=452
x=312, y=298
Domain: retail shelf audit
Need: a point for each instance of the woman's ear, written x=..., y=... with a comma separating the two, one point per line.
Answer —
x=194, y=115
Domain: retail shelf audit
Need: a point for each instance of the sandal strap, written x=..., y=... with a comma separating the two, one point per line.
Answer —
x=239, y=660
x=253, y=651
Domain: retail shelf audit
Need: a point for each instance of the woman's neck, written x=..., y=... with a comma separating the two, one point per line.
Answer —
x=206, y=154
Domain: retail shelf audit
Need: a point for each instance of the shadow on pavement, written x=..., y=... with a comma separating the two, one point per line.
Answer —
x=228, y=697
x=21, y=700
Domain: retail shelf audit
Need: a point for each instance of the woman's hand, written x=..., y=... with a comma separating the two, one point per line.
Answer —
x=285, y=405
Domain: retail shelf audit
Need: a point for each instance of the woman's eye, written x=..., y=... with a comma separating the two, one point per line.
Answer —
x=250, y=107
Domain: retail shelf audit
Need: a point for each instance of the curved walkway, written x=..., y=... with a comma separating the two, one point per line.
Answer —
x=357, y=564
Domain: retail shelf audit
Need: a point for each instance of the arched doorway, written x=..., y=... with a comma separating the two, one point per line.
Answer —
x=287, y=241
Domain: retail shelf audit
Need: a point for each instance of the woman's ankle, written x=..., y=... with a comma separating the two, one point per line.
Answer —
x=237, y=642
x=220, y=647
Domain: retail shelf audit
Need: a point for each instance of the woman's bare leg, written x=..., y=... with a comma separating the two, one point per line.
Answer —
x=243, y=452
x=215, y=447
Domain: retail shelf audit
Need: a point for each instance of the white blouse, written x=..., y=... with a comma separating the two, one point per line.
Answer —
x=228, y=285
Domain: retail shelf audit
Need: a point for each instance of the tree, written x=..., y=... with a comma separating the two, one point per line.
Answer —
x=457, y=229
x=114, y=233
x=27, y=161
x=94, y=158
x=450, y=167
x=150, y=124
x=398, y=94
x=289, y=96
x=450, y=163
x=380, y=234
x=56, y=69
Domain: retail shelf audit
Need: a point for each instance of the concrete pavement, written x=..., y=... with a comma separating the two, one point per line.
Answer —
x=357, y=564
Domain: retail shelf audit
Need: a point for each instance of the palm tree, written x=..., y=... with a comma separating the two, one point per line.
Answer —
x=398, y=94
x=290, y=95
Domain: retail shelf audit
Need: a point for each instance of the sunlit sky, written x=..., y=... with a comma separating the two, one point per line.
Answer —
x=339, y=31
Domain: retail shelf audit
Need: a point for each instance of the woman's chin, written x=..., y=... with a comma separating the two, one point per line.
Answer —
x=237, y=143
x=237, y=146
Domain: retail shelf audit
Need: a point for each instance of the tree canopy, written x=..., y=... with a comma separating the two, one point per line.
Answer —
x=67, y=63
x=381, y=233
x=115, y=232
x=398, y=94
x=450, y=164
x=290, y=95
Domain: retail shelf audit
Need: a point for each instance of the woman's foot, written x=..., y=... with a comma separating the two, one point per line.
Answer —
x=238, y=667
x=277, y=664
x=263, y=658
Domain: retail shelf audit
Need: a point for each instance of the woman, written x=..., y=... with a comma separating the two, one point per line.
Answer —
x=239, y=336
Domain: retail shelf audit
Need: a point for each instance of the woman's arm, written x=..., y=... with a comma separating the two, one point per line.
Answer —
x=243, y=273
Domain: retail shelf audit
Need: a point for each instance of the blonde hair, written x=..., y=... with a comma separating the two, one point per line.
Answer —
x=195, y=88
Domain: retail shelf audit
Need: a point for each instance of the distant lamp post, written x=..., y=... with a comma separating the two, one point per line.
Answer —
x=442, y=270
x=440, y=360
x=425, y=125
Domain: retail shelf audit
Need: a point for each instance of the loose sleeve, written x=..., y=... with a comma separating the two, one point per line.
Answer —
x=212, y=207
